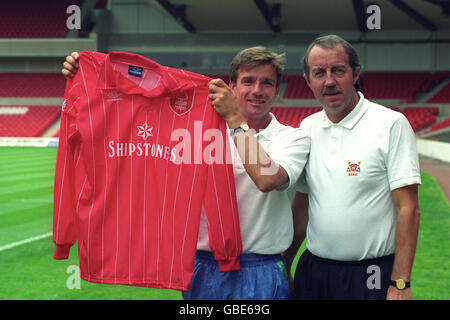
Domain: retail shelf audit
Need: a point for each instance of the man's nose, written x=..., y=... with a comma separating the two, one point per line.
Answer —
x=330, y=81
x=257, y=88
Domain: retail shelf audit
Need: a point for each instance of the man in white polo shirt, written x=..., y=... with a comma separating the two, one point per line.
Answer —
x=361, y=181
x=265, y=169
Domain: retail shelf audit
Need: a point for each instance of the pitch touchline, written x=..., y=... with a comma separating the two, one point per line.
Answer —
x=19, y=243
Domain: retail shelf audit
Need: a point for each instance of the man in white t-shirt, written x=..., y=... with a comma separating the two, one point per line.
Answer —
x=361, y=184
x=267, y=158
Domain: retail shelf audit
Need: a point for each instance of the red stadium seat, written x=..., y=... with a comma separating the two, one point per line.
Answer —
x=443, y=96
x=297, y=88
x=32, y=85
x=26, y=121
x=392, y=85
x=43, y=18
x=420, y=117
x=293, y=116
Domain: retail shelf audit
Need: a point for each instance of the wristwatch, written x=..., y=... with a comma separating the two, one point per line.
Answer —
x=242, y=127
x=400, y=284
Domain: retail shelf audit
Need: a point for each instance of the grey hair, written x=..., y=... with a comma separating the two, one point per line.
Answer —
x=331, y=41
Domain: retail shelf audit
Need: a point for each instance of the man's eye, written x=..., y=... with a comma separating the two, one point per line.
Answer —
x=318, y=73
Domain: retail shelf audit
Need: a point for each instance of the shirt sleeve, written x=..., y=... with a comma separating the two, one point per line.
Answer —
x=402, y=158
x=221, y=209
x=292, y=153
x=64, y=199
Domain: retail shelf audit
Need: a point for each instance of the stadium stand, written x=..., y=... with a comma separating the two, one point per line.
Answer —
x=32, y=85
x=297, y=88
x=26, y=121
x=433, y=79
x=224, y=77
x=392, y=85
x=443, y=96
x=420, y=117
x=293, y=116
x=443, y=124
x=45, y=18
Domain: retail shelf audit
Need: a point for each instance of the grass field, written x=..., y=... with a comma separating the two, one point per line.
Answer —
x=28, y=271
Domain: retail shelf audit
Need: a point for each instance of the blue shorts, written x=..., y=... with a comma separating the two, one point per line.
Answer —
x=262, y=277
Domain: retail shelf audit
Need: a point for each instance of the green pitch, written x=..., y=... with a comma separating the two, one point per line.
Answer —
x=28, y=271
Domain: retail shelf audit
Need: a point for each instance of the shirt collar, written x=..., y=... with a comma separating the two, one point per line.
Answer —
x=351, y=119
x=111, y=79
x=272, y=128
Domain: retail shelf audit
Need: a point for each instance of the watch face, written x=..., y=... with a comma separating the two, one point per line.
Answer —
x=245, y=127
x=401, y=284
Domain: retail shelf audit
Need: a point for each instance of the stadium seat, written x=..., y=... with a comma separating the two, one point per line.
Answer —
x=297, y=88
x=224, y=77
x=433, y=79
x=44, y=18
x=392, y=85
x=26, y=121
x=293, y=116
x=443, y=124
x=443, y=96
x=32, y=85
x=420, y=117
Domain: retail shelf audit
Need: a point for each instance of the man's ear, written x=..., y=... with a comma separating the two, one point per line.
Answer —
x=356, y=74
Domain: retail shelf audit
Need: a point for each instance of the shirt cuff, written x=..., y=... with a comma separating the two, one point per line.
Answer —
x=61, y=251
x=231, y=264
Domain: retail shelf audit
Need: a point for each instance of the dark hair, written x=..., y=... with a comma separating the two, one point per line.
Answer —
x=254, y=56
x=331, y=41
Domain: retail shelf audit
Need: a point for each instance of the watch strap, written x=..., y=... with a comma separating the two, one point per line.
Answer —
x=400, y=284
x=243, y=127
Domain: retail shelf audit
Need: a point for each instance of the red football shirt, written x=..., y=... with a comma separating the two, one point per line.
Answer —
x=134, y=167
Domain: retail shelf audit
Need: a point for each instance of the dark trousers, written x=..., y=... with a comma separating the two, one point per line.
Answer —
x=324, y=279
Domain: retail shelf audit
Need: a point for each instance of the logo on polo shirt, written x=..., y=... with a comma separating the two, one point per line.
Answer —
x=354, y=167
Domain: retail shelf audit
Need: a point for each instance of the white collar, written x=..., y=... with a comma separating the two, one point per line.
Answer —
x=351, y=119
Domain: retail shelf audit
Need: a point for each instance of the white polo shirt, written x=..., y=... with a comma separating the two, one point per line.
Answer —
x=353, y=167
x=266, y=217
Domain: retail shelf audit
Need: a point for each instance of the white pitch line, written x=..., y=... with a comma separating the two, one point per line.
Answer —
x=19, y=243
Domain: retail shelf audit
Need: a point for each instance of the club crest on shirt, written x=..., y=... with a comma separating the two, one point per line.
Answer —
x=354, y=167
x=182, y=102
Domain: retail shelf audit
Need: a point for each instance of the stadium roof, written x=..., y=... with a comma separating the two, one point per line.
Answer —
x=285, y=16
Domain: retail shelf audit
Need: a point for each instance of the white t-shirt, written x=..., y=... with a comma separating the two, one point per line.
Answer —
x=266, y=217
x=353, y=167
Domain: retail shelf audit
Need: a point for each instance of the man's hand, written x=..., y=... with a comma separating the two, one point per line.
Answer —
x=396, y=294
x=70, y=66
x=224, y=102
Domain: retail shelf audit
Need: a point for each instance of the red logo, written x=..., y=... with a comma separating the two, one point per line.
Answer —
x=353, y=168
x=182, y=102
